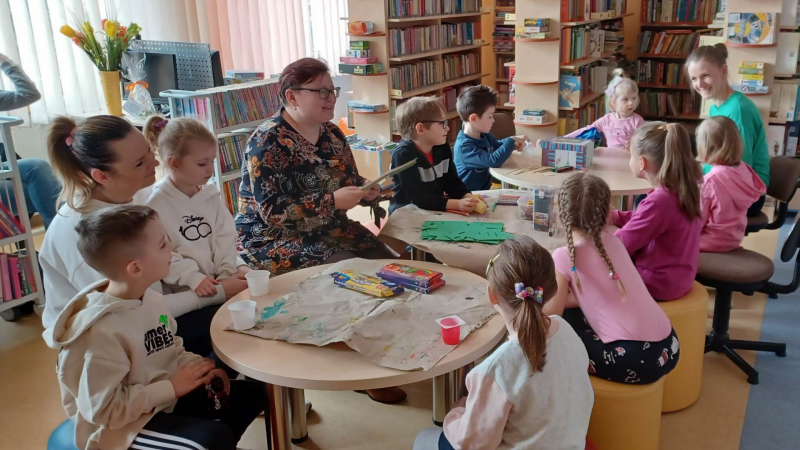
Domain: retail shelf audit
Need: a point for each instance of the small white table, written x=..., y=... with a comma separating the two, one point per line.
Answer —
x=610, y=164
x=290, y=368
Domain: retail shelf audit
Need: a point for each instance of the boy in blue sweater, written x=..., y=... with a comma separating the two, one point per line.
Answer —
x=476, y=149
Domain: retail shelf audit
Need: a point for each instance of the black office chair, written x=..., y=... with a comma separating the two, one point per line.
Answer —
x=746, y=272
x=784, y=181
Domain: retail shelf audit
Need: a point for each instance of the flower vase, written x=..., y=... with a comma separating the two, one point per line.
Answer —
x=111, y=91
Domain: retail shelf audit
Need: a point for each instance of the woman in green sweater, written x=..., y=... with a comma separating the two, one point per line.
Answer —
x=708, y=72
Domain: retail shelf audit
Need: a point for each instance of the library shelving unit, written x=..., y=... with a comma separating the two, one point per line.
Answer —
x=380, y=89
x=19, y=244
x=503, y=44
x=232, y=113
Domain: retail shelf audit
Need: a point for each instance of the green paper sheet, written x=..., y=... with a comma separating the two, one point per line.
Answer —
x=462, y=231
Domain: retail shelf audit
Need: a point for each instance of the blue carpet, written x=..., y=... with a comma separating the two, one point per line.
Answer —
x=772, y=420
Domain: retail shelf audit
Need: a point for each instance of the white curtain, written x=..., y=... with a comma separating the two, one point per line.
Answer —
x=250, y=34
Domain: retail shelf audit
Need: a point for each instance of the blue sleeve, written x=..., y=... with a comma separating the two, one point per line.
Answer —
x=474, y=157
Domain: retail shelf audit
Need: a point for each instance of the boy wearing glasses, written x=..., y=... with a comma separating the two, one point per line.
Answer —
x=476, y=149
x=433, y=183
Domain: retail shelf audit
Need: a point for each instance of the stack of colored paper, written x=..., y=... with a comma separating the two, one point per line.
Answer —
x=462, y=231
x=414, y=278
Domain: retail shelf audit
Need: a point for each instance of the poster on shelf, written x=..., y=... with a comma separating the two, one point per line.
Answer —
x=751, y=28
x=569, y=91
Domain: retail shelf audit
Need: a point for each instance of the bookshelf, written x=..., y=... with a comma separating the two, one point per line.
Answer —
x=503, y=44
x=232, y=113
x=17, y=237
x=411, y=44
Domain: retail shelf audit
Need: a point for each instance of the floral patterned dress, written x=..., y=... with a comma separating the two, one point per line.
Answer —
x=287, y=219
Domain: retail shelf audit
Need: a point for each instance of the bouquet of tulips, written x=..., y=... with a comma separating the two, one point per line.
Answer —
x=104, y=48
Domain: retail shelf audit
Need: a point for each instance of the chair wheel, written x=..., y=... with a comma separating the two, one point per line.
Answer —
x=12, y=314
x=753, y=379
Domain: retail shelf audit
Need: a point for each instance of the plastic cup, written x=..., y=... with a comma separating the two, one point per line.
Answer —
x=451, y=329
x=258, y=282
x=243, y=314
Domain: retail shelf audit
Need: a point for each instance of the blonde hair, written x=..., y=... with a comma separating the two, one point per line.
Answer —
x=583, y=202
x=522, y=260
x=75, y=149
x=668, y=147
x=719, y=142
x=620, y=83
x=169, y=137
x=417, y=110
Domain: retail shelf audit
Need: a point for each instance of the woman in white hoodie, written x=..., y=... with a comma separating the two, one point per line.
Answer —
x=198, y=223
x=101, y=162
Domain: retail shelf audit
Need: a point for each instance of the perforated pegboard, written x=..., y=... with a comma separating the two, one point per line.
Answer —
x=193, y=61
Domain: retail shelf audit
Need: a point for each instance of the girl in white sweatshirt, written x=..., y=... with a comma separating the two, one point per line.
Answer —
x=198, y=224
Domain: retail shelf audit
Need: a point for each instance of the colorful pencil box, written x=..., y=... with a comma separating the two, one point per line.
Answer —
x=401, y=273
x=424, y=290
x=366, y=284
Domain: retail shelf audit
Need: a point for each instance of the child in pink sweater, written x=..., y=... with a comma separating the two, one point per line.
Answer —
x=663, y=234
x=622, y=99
x=728, y=189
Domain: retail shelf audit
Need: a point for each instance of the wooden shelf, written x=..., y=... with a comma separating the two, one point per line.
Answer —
x=657, y=86
x=437, y=86
x=505, y=108
x=8, y=304
x=376, y=34
x=584, y=101
x=240, y=126
x=587, y=22
x=535, y=125
x=776, y=122
x=382, y=74
x=232, y=175
x=662, y=56
x=580, y=63
x=675, y=25
x=367, y=113
x=785, y=75
x=678, y=117
x=509, y=105
x=740, y=45
x=516, y=39
x=534, y=83
x=424, y=18
x=436, y=52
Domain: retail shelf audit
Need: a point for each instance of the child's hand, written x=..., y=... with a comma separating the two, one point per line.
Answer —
x=221, y=374
x=191, y=376
x=207, y=287
x=233, y=285
x=242, y=270
x=519, y=142
x=467, y=204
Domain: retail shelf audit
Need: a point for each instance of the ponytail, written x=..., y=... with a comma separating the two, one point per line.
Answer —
x=168, y=138
x=75, y=149
x=667, y=146
x=152, y=129
x=523, y=261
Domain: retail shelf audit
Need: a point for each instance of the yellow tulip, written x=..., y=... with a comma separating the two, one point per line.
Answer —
x=67, y=31
x=111, y=28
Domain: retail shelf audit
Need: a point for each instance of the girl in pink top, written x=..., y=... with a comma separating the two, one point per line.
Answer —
x=729, y=189
x=663, y=234
x=622, y=99
x=627, y=335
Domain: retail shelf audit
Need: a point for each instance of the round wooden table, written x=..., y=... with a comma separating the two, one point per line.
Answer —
x=289, y=368
x=610, y=164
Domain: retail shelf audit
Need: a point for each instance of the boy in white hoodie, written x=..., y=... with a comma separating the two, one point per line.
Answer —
x=125, y=377
x=197, y=222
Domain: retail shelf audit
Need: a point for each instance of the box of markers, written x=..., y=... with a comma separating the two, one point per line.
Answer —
x=421, y=280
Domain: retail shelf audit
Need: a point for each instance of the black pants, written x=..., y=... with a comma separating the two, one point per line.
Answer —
x=631, y=362
x=755, y=208
x=195, y=330
x=194, y=424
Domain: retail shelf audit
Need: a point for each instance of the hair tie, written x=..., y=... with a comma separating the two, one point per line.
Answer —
x=71, y=137
x=613, y=275
x=161, y=123
x=525, y=292
x=613, y=85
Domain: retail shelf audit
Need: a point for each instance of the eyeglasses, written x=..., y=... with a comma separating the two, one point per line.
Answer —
x=323, y=93
x=443, y=123
x=491, y=264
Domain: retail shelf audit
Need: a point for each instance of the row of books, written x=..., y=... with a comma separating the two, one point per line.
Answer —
x=613, y=38
x=784, y=100
x=581, y=43
x=233, y=106
x=408, y=41
x=573, y=87
x=650, y=71
x=231, y=151
x=415, y=75
x=500, y=65
x=230, y=195
x=9, y=225
x=415, y=8
x=694, y=11
x=576, y=10
x=450, y=96
x=782, y=139
x=670, y=42
x=457, y=66
x=569, y=121
x=503, y=93
x=503, y=38
x=16, y=276
x=668, y=104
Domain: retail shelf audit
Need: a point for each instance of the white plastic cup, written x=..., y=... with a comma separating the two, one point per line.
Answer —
x=258, y=282
x=243, y=314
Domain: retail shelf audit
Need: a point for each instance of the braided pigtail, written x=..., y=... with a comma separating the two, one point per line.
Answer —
x=566, y=216
x=598, y=243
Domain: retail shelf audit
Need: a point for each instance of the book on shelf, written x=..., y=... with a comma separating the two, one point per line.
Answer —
x=784, y=98
x=230, y=195
x=569, y=91
x=776, y=140
x=512, y=88
x=16, y=276
x=670, y=42
x=576, y=86
x=406, y=77
x=792, y=135
x=9, y=225
x=786, y=60
x=649, y=71
x=450, y=95
x=240, y=104
x=577, y=10
x=679, y=11
x=597, y=40
x=416, y=8
x=752, y=28
x=569, y=121
x=574, y=44
x=408, y=41
x=231, y=151
x=502, y=91
x=500, y=65
x=668, y=104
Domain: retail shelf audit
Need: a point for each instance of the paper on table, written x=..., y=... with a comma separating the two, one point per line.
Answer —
x=399, y=332
x=462, y=231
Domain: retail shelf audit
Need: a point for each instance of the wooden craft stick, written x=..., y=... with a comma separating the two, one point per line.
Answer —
x=388, y=174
